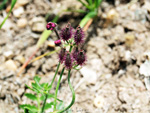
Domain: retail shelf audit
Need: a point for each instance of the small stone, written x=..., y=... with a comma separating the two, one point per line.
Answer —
x=129, y=39
x=112, y=14
x=99, y=101
x=21, y=23
x=20, y=91
x=10, y=64
x=8, y=54
x=51, y=43
x=18, y=12
x=145, y=68
x=89, y=75
x=22, y=2
x=20, y=58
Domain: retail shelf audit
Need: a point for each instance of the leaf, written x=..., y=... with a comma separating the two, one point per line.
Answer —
x=48, y=105
x=37, y=80
x=12, y=6
x=30, y=96
x=87, y=17
x=32, y=108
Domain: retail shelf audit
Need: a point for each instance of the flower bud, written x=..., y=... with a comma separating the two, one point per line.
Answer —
x=66, y=33
x=58, y=42
x=50, y=26
x=79, y=35
x=62, y=55
x=81, y=58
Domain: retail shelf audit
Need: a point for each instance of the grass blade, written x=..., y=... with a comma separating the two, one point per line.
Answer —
x=12, y=6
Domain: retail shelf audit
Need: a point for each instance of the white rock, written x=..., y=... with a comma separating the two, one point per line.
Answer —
x=21, y=23
x=99, y=101
x=10, y=64
x=145, y=68
x=8, y=54
x=38, y=27
x=127, y=55
x=89, y=75
x=18, y=12
x=22, y=2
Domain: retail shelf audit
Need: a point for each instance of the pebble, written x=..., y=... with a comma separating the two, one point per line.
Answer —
x=145, y=69
x=8, y=54
x=129, y=39
x=18, y=12
x=22, y=2
x=38, y=24
x=99, y=101
x=89, y=75
x=10, y=64
x=21, y=23
x=112, y=14
x=20, y=58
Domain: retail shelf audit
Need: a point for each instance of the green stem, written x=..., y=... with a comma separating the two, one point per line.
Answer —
x=73, y=94
x=55, y=74
x=57, y=87
x=44, y=103
x=38, y=101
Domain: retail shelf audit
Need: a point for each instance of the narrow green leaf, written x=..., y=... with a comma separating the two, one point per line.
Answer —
x=37, y=80
x=84, y=4
x=87, y=17
x=48, y=105
x=36, y=88
x=30, y=96
x=12, y=5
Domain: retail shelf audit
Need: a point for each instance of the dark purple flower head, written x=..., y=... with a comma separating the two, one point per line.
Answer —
x=81, y=58
x=58, y=42
x=75, y=53
x=79, y=35
x=68, y=60
x=62, y=54
x=66, y=33
x=50, y=26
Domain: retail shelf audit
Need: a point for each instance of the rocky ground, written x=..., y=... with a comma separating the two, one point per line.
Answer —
x=110, y=81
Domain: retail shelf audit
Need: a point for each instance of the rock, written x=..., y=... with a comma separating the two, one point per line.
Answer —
x=8, y=54
x=38, y=27
x=51, y=43
x=20, y=58
x=145, y=68
x=99, y=101
x=21, y=23
x=22, y=2
x=18, y=12
x=10, y=65
x=129, y=39
x=147, y=83
x=112, y=14
x=38, y=24
x=135, y=26
x=20, y=91
x=89, y=75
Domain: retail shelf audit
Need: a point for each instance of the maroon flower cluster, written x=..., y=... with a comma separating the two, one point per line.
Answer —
x=77, y=56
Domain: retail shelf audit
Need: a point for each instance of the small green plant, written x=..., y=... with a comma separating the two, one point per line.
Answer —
x=72, y=58
x=90, y=13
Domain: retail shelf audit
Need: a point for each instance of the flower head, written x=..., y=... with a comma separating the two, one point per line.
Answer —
x=79, y=35
x=66, y=33
x=62, y=54
x=50, y=26
x=75, y=53
x=68, y=60
x=81, y=58
x=58, y=42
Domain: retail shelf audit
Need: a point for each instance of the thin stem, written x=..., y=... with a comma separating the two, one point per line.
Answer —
x=57, y=33
x=44, y=103
x=57, y=87
x=70, y=48
x=73, y=94
x=55, y=75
